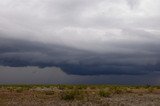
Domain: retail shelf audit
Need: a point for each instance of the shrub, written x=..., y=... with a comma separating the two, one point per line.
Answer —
x=19, y=90
x=62, y=87
x=49, y=92
x=103, y=93
x=92, y=87
x=150, y=89
x=116, y=90
x=68, y=96
x=70, y=87
x=71, y=95
x=81, y=87
x=147, y=86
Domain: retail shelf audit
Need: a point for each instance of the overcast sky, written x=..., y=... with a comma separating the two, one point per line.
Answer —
x=82, y=37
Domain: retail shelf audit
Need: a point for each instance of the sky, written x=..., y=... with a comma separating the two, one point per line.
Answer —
x=82, y=38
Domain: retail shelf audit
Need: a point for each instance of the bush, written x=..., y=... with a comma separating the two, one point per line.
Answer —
x=70, y=87
x=49, y=92
x=150, y=89
x=103, y=93
x=81, y=87
x=61, y=87
x=116, y=90
x=19, y=90
x=71, y=95
x=68, y=96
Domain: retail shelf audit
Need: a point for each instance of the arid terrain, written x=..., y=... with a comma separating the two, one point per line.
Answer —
x=79, y=95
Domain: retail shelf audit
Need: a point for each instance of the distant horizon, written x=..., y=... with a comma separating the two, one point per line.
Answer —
x=54, y=75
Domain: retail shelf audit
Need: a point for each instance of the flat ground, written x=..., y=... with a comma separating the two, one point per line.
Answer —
x=79, y=95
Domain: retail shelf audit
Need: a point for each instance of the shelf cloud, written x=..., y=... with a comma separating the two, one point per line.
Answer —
x=82, y=37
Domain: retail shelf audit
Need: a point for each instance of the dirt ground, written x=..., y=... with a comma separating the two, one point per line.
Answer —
x=80, y=96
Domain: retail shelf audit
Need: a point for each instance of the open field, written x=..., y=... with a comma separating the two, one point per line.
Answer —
x=79, y=95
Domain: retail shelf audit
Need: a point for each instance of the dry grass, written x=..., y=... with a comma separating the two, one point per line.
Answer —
x=79, y=95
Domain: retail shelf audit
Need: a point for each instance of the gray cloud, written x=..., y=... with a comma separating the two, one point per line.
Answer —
x=84, y=37
x=79, y=62
x=133, y=3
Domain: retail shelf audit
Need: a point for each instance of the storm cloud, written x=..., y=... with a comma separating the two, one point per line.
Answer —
x=82, y=37
x=20, y=53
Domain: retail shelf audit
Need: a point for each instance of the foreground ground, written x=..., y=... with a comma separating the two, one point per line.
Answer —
x=79, y=95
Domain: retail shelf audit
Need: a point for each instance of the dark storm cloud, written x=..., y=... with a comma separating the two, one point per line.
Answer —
x=82, y=37
x=18, y=53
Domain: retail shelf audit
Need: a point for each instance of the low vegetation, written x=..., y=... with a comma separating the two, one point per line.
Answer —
x=79, y=95
x=104, y=93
